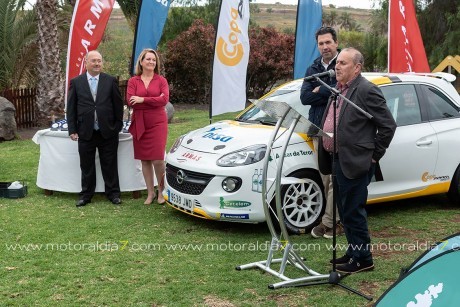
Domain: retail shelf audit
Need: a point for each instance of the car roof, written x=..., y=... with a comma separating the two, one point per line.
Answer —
x=440, y=80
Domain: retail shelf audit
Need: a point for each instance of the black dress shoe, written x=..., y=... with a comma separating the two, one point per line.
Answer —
x=341, y=260
x=116, y=201
x=355, y=266
x=83, y=202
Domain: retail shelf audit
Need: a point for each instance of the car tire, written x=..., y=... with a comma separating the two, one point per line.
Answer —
x=303, y=203
x=454, y=191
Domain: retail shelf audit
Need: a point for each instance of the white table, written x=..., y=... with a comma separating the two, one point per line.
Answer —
x=59, y=165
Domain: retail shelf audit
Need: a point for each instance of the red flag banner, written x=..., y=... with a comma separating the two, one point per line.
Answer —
x=88, y=25
x=406, y=52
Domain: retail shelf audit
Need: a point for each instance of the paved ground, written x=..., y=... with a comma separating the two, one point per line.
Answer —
x=28, y=133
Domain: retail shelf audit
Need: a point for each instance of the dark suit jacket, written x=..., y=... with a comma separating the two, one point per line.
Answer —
x=81, y=107
x=359, y=139
x=317, y=101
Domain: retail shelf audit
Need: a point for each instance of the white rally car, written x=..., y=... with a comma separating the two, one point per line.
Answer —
x=216, y=172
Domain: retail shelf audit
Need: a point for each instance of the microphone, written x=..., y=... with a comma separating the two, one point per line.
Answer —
x=329, y=73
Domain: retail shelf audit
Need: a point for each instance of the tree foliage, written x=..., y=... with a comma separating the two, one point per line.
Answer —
x=331, y=18
x=180, y=18
x=440, y=27
x=379, y=18
x=439, y=22
x=188, y=63
x=270, y=60
x=375, y=52
x=18, y=52
x=189, y=60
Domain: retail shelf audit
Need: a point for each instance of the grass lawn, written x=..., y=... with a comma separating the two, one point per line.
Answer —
x=101, y=255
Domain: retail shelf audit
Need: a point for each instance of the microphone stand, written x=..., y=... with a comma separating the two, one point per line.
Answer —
x=334, y=276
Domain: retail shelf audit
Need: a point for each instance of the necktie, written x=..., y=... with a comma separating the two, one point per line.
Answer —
x=93, y=87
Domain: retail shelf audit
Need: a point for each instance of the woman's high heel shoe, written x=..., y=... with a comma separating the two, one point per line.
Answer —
x=160, y=190
x=147, y=202
x=160, y=203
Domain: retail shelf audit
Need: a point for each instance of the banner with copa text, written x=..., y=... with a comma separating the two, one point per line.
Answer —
x=86, y=30
x=406, y=52
x=309, y=20
x=149, y=29
x=231, y=56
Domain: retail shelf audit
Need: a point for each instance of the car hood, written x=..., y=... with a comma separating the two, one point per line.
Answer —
x=228, y=136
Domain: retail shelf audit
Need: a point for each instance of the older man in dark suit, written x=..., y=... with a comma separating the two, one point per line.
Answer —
x=95, y=117
x=361, y=143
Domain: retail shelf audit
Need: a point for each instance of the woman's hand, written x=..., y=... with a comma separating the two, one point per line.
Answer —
x=136, y=99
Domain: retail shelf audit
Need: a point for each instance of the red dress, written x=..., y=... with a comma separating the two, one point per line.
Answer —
x=149, y=123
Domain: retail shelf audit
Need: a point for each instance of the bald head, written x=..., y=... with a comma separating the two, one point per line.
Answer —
x=349, y=64
x=94, y=62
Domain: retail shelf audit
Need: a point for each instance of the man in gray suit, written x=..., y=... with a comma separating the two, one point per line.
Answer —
x=361, y=143
x=95, y=117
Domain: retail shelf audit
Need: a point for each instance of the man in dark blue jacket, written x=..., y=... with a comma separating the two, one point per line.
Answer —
x=317, y=96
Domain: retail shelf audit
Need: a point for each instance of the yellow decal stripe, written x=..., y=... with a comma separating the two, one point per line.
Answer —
x=380, y=80
x=196, y=212
x=437, y=188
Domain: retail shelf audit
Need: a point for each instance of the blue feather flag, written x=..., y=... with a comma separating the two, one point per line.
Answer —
x=309, y=20
x=149, y=28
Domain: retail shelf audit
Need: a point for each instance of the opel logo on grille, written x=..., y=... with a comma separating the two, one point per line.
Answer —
x=180, y=176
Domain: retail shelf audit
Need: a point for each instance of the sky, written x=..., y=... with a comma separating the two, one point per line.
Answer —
x=361, y=4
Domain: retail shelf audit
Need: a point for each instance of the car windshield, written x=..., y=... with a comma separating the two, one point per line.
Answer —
x=289, y=93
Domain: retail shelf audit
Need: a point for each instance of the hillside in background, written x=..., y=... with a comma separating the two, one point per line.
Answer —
x=283, y=16
x=116, y=46
x=280, y=16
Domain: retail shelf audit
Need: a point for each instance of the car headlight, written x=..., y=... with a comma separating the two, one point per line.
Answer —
x=245, y=156
x=176, y=144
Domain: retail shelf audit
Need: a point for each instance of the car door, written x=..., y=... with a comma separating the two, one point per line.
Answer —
x=413, y=150
x=444, y=117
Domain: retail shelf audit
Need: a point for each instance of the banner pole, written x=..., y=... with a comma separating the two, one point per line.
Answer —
x=212, y=62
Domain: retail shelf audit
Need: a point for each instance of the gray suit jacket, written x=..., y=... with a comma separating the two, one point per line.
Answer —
x=81, y=107
x=359, y=139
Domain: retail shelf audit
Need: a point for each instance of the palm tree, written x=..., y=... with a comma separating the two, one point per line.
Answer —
x=330, y=19
x=345, y=20
x=355, y=27
x=17, y=45
x=50, y=90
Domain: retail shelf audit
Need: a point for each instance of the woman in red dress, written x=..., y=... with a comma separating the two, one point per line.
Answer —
x=148, y=94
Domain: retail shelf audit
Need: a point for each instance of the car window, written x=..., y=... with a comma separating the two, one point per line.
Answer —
x=288, y=94
x=439, y=106
x=403, y=103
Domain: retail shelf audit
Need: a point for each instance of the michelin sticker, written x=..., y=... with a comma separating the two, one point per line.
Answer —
x=235, y=216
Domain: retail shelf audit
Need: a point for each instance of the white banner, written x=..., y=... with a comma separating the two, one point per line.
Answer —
x=231, y=56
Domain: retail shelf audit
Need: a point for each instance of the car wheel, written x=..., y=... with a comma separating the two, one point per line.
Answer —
x=454, y=190
x=303, y=203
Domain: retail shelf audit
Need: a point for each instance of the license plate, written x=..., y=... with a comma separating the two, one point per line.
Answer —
x=180, y=201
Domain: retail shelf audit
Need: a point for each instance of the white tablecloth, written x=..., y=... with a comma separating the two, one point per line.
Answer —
x=59, y=165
